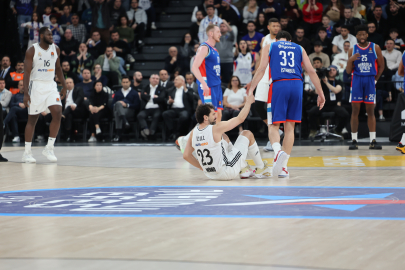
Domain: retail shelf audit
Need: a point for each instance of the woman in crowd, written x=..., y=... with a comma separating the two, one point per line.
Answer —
x=243, y=63
x=98, y=75
x=33, y=29
x=335, y=11
x=261, y=24
x=126, y=32
x=186, y=51
x=359, y=10
x=234, y=100
x=293, y=12
x=98, y=109
x=82, y=61
x=250, y=12
x=312, y=17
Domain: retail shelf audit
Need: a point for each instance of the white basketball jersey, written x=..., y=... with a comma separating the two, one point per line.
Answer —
x=243, y=68
x=43, y=63
x=267, y=40
x=210, y=154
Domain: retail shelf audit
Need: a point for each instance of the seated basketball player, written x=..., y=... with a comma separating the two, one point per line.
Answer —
x=215, y=154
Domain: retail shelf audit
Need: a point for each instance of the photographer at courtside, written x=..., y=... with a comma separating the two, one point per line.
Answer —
x=332, y=89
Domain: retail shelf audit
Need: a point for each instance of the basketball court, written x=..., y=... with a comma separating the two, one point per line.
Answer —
x=127, y=206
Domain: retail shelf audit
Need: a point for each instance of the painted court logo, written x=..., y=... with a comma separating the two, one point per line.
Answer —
x=248, y=202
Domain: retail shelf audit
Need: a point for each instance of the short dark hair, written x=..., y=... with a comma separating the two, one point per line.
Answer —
x=43, y=30
x=321, y=29
x=284, y=17
x=19, y=62
x=300, y=27
x=189, y=73
x=371, y=22
x=203, y=110
x=52, y=17
x=348, y=8
x=345, y=27
x=394, y=30
x=275, y=20
x=230, y=82
x=75, y=14
x=250, y=22
x=346, y=42
x=2, y=79
x=124, y=77
x=326, y=16
x=114, y=32
x=9, y=58
x=209, y=6
x=361, y=27
x=377, y=6
x=86, y=69
x=283, y=34
x=65, y=61
x=390, y=39
x=317, y=59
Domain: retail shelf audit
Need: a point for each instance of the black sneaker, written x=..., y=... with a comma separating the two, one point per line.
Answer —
x=2, y=159
x=374, y=145
x=354, y=145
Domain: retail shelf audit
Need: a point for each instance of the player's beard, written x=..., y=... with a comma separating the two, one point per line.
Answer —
x=48, y=42
x=213, y=123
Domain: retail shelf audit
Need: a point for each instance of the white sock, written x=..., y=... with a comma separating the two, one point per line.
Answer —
x=354, y=136
x=372, y=136
x=403, y=139
x=98, y=131
x=51, y=142
x=28, y=146
x=285, y=162
x=254, y=154
x=276, y=147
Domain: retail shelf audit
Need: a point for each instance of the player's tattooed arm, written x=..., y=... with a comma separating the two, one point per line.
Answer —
x=59, y=73
x=29, y=57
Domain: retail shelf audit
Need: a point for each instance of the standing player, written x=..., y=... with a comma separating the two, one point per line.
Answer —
x=207, y=69
x=40, y=91
x=285, y=60
x=262, y=90
x=366, y=64
x=401, y=144
x=216, y=156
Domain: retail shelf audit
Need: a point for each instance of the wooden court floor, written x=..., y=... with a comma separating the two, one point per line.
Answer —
x=137, y=207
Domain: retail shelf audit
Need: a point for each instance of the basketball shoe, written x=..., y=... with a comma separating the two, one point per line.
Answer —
x=354, y=145
x=48, y=152
x=28, y=158
x=246, y=172
x=268, y=147
x=264, y=172
x=181, y=143
x=374, y=145
x=278, y=162
x=401, y=148
x=284, y=173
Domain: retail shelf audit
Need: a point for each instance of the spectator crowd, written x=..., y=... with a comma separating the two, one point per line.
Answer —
x=98, y=40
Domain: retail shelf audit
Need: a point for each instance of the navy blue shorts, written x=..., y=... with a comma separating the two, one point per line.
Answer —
x=215, y=97
x=363, y=89
x=285, y=102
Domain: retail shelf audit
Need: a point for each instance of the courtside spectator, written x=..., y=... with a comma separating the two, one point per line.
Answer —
x=211, y=18
x=96, y=45
x=340, y=59
x=190, y=81
x=98, y=110
x=194, y=28
x=78, y=30
x=164, y=79
x=15, y=77
x=253, y=36
x=83, y=60
x=322, y=36
x=399, y=43
x=116, y=11
x=154, y=97
x=73, y=107
x=23, y=10
x=137, y=82
x=121, y=50
x=67, y=72
x=150, y=11
x=6, y=69
x=338, y=40
x=348, y=20
x=373, y=36
x=309, y=87
x=335, y=10
x=56, y=29
x=110, y=66
x=272, y=9
x=87, y=84
x=318, y=53
x=234, y=100
x=138, y=21
x=68, y=46
x=393, y=56
x=179, y=100
x=327, y=26
x=173, y=61
x=5, y=98
x=286, y=25
x=98, y=75
x=300, y=39
x=186, y=52
x=33, y=29
x=17, y=111
x=224, y=48
x=203, y=9
x=375, y=15
x=312, y=17
x=101, y=19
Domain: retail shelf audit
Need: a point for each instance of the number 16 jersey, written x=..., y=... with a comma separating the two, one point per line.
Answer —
x=285, y=61
x=43, y=63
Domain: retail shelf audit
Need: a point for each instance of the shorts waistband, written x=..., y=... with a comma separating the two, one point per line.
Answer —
x=287, y=80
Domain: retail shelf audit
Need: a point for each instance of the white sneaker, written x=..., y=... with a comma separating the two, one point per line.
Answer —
x=48, y=152
x=153, y=26
x=344, y=131
x=268, y=147
x=263, y=173
x=246, y=172
x=284, y=173
x=181, y=143
x=92, y=139
x=16, y=139
x=28, y=158
x=40, y=138
x=278, y=162
x=381, y=118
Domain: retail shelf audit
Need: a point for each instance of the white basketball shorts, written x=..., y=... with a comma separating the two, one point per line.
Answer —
x=43, y=94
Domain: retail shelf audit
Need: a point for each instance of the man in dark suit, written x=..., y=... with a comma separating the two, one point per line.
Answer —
x=190, y=81
x=180, y=105
x=349, y=21
x=96, y=45
x=164, y=79
x=73, y=106
x=154, y=97
x=6, y=69
x=126, y=104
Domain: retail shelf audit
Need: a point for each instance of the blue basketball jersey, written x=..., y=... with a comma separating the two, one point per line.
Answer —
x=210, y=67
x=403, y=63
x=367, y=63
x=285, y=61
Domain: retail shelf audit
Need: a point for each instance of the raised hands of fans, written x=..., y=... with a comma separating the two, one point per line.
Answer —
x=321, y=101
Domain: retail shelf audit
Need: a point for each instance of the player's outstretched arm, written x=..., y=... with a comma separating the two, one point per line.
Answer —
x=401, y=69
x=380, y=62
x=195, y=69
x=188, y=153
x=225, y=126
x=314, y=79
x=29, y=56
x=59, y=73
x=264, y=62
